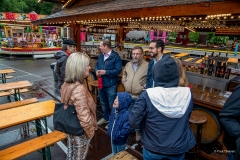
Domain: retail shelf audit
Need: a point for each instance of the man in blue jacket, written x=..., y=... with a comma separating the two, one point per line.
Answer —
x=108, y=67
x=156, y=48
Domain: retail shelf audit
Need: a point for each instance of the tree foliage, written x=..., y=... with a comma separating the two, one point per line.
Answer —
x=26, y=6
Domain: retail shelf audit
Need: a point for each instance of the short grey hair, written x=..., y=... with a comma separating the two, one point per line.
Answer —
x=76, y=67
x=64, y=47
x=138, y=47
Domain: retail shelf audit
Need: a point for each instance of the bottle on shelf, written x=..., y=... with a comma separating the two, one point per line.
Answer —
x=218, y=69
x=223, y=69
x=218, y=65
x=210, y=64
x=203, y=65
x=227, y=73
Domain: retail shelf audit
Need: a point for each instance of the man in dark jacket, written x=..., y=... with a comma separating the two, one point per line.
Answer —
x=156, y=48
x=108, y=67
x=68, y=47
x=163, y=113
x=230, y=119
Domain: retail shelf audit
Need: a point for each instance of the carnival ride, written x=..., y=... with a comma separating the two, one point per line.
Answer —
x=31, y=39
x=31, y=44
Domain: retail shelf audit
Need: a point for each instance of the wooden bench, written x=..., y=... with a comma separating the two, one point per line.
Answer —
x=32, y=145
x=2, y=94
x=18, y=103
x=7, y=77
x=123, y=155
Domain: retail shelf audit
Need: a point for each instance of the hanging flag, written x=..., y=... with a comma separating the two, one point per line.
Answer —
x=40, y=30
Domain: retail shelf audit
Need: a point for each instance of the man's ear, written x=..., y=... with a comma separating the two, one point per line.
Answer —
x=68, y=47
x=159, y=49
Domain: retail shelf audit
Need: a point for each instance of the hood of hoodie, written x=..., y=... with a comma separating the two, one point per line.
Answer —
x=124, y=101
x=165, y=73
x=171, y=102
x=59, y=54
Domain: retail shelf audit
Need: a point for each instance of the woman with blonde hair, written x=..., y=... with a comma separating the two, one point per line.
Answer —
x=163, y=113
x=183, y=82
x=77, y=68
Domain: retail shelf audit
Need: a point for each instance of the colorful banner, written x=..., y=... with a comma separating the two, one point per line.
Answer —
x=20, y=16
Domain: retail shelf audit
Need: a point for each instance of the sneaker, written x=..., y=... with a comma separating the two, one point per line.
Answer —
x=106, y=127
x=138, y=136
x=102, y=121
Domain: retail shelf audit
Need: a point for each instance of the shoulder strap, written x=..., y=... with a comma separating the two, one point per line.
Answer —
x=70, y=94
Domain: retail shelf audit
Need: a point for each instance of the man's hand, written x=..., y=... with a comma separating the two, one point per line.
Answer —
x=100, y=72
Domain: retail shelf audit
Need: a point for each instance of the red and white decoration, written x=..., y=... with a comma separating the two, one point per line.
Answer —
x=10, y=16
x=33, y=16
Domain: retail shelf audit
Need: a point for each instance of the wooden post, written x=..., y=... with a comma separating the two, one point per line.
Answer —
x=75, y=30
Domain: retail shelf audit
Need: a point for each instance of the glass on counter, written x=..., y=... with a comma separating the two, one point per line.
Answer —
x=192, y=69
x=205, y=71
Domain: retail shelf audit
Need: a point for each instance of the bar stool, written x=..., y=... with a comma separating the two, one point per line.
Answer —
x=94, y=85
x=198, y=119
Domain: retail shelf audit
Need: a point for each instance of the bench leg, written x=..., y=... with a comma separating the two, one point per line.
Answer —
x=39, y=133
x=45, y=151
x=25, y=130
x=3, y=78
x=9, y=98
x=17, y=94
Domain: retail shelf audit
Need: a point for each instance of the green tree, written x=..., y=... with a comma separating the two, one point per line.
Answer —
x=193, y=36
x=26, y=6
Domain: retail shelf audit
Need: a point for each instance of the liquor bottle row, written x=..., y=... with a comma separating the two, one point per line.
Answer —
x=217, y=66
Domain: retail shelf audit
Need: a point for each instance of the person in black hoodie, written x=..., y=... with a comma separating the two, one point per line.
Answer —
x=68, y=47
x=163, y=113
x=229, y=116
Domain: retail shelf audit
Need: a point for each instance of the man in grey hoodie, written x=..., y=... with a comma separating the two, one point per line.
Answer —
x=68, y=47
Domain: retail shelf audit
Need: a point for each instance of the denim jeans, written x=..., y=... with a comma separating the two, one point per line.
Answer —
x=118, y=148
x=147, y=155
x=107, y=95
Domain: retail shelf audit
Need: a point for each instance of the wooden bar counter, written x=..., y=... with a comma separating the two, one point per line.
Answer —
x=209, y=97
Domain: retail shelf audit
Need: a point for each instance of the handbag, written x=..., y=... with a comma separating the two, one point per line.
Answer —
x=66, y=120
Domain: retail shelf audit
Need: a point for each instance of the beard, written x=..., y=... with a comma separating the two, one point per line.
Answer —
x=154, y=54
x=137, y=60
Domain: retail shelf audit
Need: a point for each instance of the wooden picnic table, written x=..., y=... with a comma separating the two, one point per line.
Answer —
x=14, y=116
x=36, y=111
x=16, y=86
x=183, y=54
x=4, y=72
